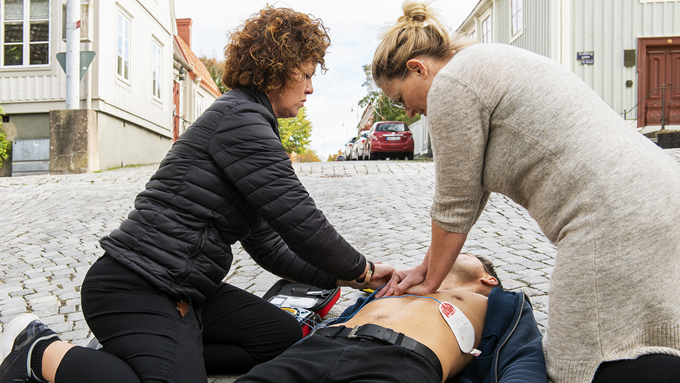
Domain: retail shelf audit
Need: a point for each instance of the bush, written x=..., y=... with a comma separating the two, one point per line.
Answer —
x=5, y=144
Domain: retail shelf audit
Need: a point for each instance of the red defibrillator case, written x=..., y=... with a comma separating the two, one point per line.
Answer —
x=308, y=304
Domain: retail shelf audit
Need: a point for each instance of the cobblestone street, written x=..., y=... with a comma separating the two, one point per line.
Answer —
x=50, y=228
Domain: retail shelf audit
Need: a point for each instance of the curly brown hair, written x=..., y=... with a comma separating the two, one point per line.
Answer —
x=268, y=46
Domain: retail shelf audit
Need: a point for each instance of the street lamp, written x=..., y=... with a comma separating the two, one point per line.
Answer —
x=352, y=110
x=323, y=149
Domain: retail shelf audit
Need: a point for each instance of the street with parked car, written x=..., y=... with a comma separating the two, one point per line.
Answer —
x=385, y=140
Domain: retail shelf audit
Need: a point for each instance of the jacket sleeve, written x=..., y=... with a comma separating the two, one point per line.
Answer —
x=522, y=361
x=267, y=248
x=252, y=158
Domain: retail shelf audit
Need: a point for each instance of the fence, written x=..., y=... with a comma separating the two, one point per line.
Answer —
x=667, y=107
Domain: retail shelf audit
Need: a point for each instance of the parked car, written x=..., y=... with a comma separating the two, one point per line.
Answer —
x=358, y=148
x=348, y=149
x=391, y=139
x=340, y=158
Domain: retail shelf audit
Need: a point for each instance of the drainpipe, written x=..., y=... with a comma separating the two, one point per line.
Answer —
x=72, y=55
x=88, y=83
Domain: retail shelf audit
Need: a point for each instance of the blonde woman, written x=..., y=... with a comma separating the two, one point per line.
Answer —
x=509, y=121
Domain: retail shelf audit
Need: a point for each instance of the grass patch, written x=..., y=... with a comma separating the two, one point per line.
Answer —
x=122, y=167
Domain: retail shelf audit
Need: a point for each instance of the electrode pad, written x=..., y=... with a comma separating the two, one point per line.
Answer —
x=461, y=327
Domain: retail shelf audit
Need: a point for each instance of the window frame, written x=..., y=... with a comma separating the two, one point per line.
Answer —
x=473, y=35
x=199, y=106
x=127, y=20
x=156, y=70
x=26, y=42
x=486, y=34
x=516, y=18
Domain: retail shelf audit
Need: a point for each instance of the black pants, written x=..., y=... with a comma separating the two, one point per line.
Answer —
x=145, y=338
x=647, y=368
x=319, y=358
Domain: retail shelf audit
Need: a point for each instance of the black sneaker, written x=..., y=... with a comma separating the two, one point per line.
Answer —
x=16, y=346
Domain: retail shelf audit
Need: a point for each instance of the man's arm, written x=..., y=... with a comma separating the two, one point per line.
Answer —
x=511, y=342
x=521, y=360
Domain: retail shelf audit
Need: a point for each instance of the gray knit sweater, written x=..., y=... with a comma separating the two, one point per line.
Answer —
x=509, y=121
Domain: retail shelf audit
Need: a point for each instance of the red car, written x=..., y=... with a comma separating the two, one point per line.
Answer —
x=390, y=139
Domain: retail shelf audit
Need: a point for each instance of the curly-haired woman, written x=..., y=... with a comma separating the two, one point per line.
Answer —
x=156, y=300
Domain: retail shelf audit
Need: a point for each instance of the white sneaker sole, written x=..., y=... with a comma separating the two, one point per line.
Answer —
x=11, y=332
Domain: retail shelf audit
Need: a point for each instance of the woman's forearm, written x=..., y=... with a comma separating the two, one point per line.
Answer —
x=443, y=252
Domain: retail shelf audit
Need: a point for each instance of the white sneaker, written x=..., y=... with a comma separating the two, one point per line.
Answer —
x=12, y=330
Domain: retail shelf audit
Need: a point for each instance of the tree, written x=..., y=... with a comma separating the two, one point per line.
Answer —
x=333, y=157
x=216, y=71
x=296, y=132
x=308, y=156
x=384, y=108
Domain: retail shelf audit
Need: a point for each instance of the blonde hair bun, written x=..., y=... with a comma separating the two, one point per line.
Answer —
x=415, y=12
x=420, y=32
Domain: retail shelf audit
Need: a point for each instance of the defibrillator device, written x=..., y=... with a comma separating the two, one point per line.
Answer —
x=308, y=304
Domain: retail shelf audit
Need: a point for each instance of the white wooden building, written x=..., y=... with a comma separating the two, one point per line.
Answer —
x=129, y=83
x=626, y=50
x=193, y=87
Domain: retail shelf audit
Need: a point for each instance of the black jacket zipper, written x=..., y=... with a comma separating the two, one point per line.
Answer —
x=192, y=260
x=498, y=352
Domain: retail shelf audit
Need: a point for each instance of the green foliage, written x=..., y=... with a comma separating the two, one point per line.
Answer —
x=5, y=144
x=384, y=108
x=369, y=84
x=296, y=132
x=216, y=71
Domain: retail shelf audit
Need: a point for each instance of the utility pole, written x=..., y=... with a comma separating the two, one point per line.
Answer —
x=73, y=54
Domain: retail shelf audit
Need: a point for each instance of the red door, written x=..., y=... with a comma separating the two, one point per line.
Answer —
x=673, y=94
x=662, y=86
x=175, y=111
x=656, y=70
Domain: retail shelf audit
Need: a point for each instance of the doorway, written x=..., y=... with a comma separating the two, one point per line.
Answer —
x=659, y=81
x=175, y=111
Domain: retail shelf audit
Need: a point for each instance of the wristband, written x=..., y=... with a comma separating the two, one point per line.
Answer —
x=369, y=273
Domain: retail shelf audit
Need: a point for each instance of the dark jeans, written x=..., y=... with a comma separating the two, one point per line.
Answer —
x=647, y=368
x=145, y=338
x=319, y=358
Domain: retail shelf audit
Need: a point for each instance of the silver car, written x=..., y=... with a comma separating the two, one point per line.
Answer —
x=357, y=152
x=348, y=149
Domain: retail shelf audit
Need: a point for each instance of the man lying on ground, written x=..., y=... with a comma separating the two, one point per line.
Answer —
x=492, y=337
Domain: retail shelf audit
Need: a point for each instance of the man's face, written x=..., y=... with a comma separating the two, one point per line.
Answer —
x=466, y=269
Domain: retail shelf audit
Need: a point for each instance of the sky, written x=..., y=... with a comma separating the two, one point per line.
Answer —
x=354, y=27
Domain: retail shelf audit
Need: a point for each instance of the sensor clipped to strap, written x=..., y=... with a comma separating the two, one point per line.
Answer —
x=461, y=327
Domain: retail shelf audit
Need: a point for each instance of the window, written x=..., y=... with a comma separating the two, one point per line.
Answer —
x=156, y=70
x=199, y=105
x=26, y=32
x=486, y=30
x=123, y=44
x=516, y=16
x=473, y=35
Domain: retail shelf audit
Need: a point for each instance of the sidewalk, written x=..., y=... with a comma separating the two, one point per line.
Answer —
x=50, y=227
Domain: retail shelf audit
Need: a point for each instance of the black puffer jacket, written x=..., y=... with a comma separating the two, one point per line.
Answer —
x=226, y=179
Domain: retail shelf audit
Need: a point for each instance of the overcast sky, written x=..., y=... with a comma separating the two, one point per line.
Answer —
x=354, y=27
